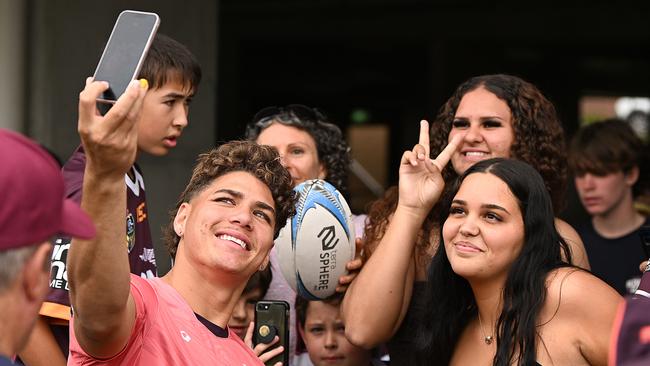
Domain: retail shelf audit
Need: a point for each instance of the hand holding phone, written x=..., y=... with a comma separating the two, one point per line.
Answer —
x=271, y=320
x=124, y=53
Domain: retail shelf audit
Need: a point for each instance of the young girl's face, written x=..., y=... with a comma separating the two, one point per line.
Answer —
x=484, y=232
x=324, y=336
x=486, y=122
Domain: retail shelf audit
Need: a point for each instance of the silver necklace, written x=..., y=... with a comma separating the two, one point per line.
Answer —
x=486, y=338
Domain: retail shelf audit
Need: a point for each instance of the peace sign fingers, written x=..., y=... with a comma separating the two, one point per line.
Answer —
x=424, y=136
x=445, y=155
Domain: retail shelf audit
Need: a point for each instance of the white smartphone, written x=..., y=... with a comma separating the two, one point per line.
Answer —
x=124, y=53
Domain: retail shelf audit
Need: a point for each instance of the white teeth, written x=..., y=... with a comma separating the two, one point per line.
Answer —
x=475, y=153
x=232, y=239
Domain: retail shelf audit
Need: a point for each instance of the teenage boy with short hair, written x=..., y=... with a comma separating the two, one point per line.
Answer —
x=606, y=159
x=174, y=75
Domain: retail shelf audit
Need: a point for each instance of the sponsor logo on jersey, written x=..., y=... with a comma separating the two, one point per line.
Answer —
x=148, y=255
x=58, y=272
x=130, y=231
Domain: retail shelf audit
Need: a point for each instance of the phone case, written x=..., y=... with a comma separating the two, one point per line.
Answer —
x=124, y=53
x=271, y=319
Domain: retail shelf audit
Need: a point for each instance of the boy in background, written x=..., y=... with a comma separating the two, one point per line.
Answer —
x=323, y=331
x=606, y=159
x=173, y=74
x=244, y=312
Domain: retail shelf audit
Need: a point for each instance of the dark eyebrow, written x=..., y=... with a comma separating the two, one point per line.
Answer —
x=231, y=192
x=484, y=118
x=487, y=205
x=240, y=195
x=175, y=95
x=495, y=207
x=265, y=206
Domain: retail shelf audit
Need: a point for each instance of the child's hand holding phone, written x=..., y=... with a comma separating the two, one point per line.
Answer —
x=261, y=350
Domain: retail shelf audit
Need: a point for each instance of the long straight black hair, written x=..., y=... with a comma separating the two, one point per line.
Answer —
x=450, y=301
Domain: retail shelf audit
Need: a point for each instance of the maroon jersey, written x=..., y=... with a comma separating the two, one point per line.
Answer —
x=137, y=239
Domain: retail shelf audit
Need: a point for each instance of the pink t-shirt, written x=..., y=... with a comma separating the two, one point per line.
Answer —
x=167, y=332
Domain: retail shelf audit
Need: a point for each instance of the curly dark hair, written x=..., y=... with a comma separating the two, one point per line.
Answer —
x=379, y=213
x=539, y=137
x=539, y=141
x=333, y=150
x=263, y=162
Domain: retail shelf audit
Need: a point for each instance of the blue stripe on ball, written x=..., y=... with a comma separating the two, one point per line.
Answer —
x=302, y=290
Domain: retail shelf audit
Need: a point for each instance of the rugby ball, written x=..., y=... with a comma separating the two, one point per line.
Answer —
x=315, y=244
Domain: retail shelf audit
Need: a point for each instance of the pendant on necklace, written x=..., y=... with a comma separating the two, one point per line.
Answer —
x=488, y=340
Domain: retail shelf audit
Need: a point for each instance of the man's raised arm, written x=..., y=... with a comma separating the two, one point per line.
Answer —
x=98, y=269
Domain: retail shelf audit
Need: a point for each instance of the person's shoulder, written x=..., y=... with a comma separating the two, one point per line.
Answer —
x=571, y=279
x=145, y=292
x=566, y=230
x=574, y=290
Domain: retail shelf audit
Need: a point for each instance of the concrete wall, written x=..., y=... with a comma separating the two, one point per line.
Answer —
x=65, y=40
x=12, y=35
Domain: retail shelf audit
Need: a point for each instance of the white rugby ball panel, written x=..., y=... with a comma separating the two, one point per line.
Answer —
x=286, y=258
x=321, y=251
x=317, y=242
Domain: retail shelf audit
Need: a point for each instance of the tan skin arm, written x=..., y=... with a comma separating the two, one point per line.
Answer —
x=377, y=300
x=591, y=306
x=98, y=269
x=41, y=348
x=570, y=235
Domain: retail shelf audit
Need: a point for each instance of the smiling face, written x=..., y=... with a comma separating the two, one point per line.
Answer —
x=486, y=122
x=484, y=232
x=163, y=118
x=228, y=225
x=324, y=336
x=297, y=150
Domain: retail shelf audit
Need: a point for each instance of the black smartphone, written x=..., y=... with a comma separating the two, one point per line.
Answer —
x=271, y=319
x=124, y=53
x=644, y=234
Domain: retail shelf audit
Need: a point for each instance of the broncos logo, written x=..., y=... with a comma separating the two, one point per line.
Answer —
x=130, y=231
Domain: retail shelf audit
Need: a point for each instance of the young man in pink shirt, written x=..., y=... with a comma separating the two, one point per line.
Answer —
x=238, y=198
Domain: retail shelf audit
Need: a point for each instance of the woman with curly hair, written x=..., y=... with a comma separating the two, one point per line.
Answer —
x=310, y=147
x=497, y=116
